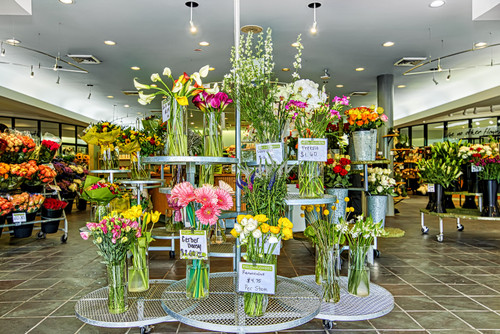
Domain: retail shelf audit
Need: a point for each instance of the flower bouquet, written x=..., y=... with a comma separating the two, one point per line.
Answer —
x=360, y=237
x=99, y=191
x=43, y=175
x=327, y=235
x=380, y=182
x=212, y=200
x=260, y=239
x=337, y=170
x=184, y=87
x=5, y=206
x=113, y=236
x=51, y=205
x=150, y=143
x=20, y=201
x=212, y=106
x=35, y=203
x=16, y=147
x=47, y=149
x=104, y=134
x=128, y=142
x=8, y=181
x=70, y=177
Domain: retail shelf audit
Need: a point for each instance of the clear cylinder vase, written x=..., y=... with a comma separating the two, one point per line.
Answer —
x=330, y=277
x=255, y=304
x=138, y=266
x=318, y=268
x=110, y=157
x=358, y=277
x=212, y=144
x=311, y=179
x=137, y=171
x=98, y=212
x=177, y=129
x=117, y=285
x=197, y=279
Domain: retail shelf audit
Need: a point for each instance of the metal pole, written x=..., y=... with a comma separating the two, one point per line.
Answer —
x=237, y=109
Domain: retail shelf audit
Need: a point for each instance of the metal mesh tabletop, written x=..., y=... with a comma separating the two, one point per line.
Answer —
x=179, y=160
x=295, y=199
x=293, y=304
x=138, y=182
x=144, y=308
x=352, y=308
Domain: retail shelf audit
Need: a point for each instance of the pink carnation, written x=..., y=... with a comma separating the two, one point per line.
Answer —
x=208, y=214
x=224, y=199
x=206, y=195
x=84, y=235
x=384, y=117
x=184, y=193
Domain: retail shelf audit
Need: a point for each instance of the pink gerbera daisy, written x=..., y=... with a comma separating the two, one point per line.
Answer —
x=224, y=199
x=184, y=193
x=206, y=195
x=208, y=214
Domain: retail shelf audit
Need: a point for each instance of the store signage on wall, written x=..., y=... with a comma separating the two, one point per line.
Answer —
x=490, y=131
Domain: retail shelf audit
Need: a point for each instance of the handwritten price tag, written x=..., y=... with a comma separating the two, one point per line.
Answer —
x=431, y=188
x=18, y=218
x=165, y=110
x=257, y=278
x=266, y=153
x=193, y=245
x=313, y=149
x=476, y=169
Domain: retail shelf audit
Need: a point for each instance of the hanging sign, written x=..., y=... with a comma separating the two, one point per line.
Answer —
x=315, y=149
x=476, y=169
x=431, y=188
x=18, y=218
x=165, y=110
x=266, y=153
x=257, y=278
x=193, y=244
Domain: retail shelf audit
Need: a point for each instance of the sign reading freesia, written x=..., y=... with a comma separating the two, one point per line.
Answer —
x=257, y=278
x=193, y=245
x=313, y=149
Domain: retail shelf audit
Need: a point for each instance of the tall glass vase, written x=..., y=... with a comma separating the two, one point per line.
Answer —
x=137, y=171
x=318, y=268
x=138, y=266
x=330, y=277
x=358, y=277
x=255, y=304
x=109, y=157
x=99, y=211
x=177, y=129
x=311, y=179
x=212, y=143
x=117, y=285
x=197, y=279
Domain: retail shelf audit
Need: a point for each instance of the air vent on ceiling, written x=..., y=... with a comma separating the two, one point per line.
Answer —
x=85, y=59
x=409, y=61
x=130, y=92
x=358, y=94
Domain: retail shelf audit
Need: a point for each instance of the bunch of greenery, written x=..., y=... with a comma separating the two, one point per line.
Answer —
x=444, y=165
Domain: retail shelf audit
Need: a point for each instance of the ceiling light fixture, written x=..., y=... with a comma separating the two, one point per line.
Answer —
x=2, y=50
x=58, y=79
x=401, y=86
x=211, y=68
x=491, y=122
x=451, y=115
x=325, y=75
x=314, y=28
x=191, y=114
x=110, y=43
x=90, y=91
x=388, y=44
x=204, y=43
x=449, y=75
x=67, y=2
x=135, y=68
x=110, y=97
x=477, y=123
x=480, y=45
x=437, y=3
x=339, y=86
x=285, y=69
x=192, y=27
x=32, y=74
x=126, y=106
x=192, y=123
x=12, y=41
x=360, y=69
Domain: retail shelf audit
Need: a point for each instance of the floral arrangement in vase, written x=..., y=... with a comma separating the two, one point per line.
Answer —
x=380, y=182
x=366, y=118
x=104, y=134
x=211, y=201
x=16, y=147
x=260, y=239
x=113, y=236
x=337, y=171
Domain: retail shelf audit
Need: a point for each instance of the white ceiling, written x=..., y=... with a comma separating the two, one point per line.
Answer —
x=153, y=34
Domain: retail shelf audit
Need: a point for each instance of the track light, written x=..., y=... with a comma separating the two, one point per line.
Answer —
x=465, y=112
x=192, y=27
x=90, y=91
x=314, y=28
x=58, y=79
x=449, y=75
x=491, y=108
x=32, y=74
x=2, y=50
x=434, y=80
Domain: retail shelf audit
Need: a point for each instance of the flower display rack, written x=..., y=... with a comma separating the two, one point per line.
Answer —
x=111, y=172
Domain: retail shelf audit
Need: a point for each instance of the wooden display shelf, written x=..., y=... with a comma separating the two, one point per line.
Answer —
x=402, y=149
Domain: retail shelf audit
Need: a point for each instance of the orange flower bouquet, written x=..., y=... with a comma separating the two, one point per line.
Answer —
x=364, y=118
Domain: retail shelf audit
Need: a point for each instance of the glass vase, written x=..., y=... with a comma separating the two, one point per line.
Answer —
x=255, y=304
x=110, y=157
x=330, y=276
x=318, y=269
x=212, y=144
x=137, y=171
x=197, y=279
x=138, y=266
x=311, y=179
x=177, y=129
x=117, y=285
x=358, y=277
x=98, y=212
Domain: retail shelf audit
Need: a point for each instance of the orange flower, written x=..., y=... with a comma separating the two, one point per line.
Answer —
x=359, y=123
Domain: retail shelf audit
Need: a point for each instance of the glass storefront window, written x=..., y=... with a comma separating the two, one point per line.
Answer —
x=458, y=130
x=79, y=130
x=27, y=125
x=417, y=136
x=484, y=127
x=50, y=127
x=6, y=121
x=68, y=134
x=435, y=133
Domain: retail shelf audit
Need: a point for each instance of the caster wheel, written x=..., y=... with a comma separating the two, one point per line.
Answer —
x=461, y=228
x=40, y=235
x=172, y=254
x=146, y=329
x=439, y=238
x=64, y=238
x=376, y=253
x=425, y=230
x=328, y=324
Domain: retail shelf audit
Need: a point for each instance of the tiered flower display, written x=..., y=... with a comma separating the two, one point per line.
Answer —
x=48, y=150
x=129, y=143
x=70, y=177
x=104, y=134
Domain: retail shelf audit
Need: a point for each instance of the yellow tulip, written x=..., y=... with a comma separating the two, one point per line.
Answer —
x=155, y=216
x=234, y=233
x=183, y=101
x=240, y=218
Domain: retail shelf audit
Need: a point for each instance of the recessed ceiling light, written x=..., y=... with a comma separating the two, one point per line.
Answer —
x=110, y=97
x=423, y=121
x=135, y=68
x=359, y=69
x=295, y=44
x=339, y=86
x=437, y=3
x=12, y=41
x=197, y=50
x=126, y=106
x=110, y=43
x=67, y=2
x=401, y=86
x=388, y=44
x=211, y=68
x=285, y=69
x=204, y=43
x=480, y=44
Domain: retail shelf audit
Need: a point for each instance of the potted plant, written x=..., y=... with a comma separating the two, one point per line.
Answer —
x=52, y=208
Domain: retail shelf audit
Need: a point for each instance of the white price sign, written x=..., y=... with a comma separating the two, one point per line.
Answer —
x=258, y=278
x=193, y=245
x=165, y=110
x=266, y=153
x=313, y=149
x=18, y=218
x=476, y=169
x=431, y=188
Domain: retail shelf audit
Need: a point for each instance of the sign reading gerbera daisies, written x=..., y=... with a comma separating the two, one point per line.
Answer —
x=193, y=244
x=313, y=149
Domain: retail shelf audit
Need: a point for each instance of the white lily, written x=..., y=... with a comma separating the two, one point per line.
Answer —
x=145, y=99
x=155, y=77
x=213, y=90
x=167, y=72
x=204, y=71
x=138, y=85
x=196, y=77
x=257, y=234
x=177, y=87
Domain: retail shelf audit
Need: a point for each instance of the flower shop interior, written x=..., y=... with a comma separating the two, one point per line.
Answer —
x=249, y=166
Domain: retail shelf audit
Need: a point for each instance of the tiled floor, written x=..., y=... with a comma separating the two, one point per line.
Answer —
x=449, y=287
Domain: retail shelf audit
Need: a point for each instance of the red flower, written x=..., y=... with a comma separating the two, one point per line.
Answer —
x=343, y=172
x=329, y=161
x=337, y=169
x=344, y=161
